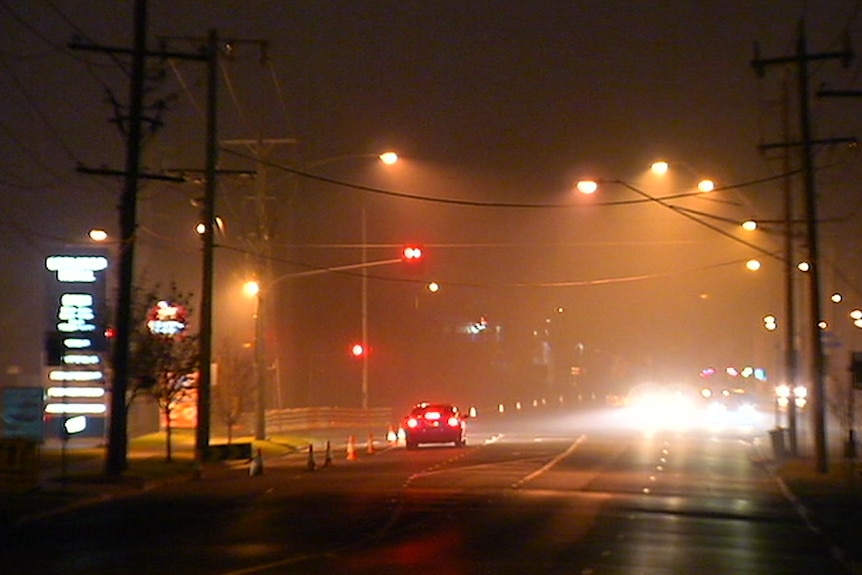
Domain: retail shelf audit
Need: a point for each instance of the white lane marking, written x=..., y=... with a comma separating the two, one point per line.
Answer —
x=551, y=463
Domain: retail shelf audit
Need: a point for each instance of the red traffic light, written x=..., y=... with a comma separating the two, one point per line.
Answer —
x=357, y=349
x=411, y=253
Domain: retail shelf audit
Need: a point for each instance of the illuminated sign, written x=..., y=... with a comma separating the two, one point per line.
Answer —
x=167, y=319
x=75, y=392
x=63, y=375
x=75, y=424
x=77, y=315
x=76, y=408
x=75, y=336
x=76, y=269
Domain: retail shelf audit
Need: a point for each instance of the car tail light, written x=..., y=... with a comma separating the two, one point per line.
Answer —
x=412, y=422
x=454, y=422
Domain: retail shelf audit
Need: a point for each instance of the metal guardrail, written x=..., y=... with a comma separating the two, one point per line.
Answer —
x=279, y=420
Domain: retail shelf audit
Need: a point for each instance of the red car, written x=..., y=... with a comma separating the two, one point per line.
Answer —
x=435, y=423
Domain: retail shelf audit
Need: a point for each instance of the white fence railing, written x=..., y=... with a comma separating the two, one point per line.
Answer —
x=327, y=418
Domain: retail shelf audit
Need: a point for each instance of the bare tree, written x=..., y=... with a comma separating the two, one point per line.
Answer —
x=234, y=390
x=164, y=357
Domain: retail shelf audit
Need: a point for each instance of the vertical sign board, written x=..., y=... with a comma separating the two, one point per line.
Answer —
x=75, y=342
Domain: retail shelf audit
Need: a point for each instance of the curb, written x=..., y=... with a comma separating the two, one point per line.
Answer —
x=838, y=552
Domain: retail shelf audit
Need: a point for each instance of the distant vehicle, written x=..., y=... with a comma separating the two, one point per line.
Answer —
x=435, y=423
x=732, y=408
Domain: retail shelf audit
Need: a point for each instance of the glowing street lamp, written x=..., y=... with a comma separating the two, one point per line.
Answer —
x=587, y=187
x=659, y=168
x=662, y=167
x=252, y=288
x=753, y=265
x=98, y=235
x=388, y=158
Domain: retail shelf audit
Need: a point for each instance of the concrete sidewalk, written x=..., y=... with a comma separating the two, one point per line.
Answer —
x=829, y=503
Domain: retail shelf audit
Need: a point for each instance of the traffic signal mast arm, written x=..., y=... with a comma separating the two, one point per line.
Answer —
x=339, y=269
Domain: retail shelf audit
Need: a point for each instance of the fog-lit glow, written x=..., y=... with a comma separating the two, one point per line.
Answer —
x=749, y=225
x=753, y=265
x=218, y=225
x=660, y=167
x=98, y=235
x=706, y=186
x=251, y=288
x=803, y=266
x=389, y=158
x=587, y=187
x=837, y=298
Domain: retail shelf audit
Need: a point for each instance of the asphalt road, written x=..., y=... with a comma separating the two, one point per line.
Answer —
x=568, y=493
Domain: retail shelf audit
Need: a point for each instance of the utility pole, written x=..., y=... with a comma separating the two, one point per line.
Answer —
x=791, y=359
x=116, y=460
x=800, y=60
x=116, y=455
x=202, y=431
x=261, y=147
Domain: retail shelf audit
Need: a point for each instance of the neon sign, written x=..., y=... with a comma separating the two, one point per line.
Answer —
x=167, y=319
x=76, y=269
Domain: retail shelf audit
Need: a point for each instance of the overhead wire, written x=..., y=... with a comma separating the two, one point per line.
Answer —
x=519, y=285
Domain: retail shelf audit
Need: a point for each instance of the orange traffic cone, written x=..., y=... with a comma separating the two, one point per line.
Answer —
x=371, y=449
x=391, y=436
x=351, y=449
x=327, y=458
x=311, y=465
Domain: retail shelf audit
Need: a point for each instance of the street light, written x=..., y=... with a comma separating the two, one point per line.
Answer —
x=388, y=158
x=252, y=288
x=753, y=265
x=662, y=167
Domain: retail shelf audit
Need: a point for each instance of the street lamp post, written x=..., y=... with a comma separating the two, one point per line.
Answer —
x=364, y=312
x=252, y=288
x=387, y=158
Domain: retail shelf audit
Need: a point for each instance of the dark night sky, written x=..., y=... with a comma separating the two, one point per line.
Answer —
x=493, y=102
